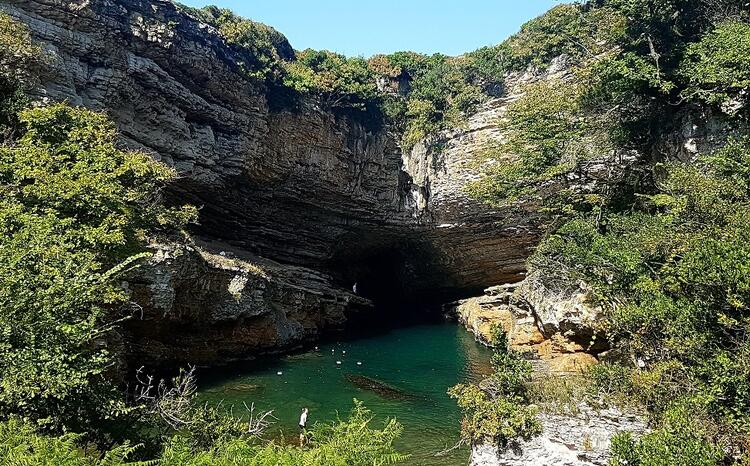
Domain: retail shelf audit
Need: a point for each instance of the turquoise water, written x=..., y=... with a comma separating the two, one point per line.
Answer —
x=417, y=364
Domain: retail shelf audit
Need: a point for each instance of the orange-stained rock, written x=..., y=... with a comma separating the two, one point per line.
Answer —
x=570, y=362
x=555, y=352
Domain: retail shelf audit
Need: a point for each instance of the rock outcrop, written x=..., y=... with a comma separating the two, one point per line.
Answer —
x=580, y=439
x=557, y=333
x=207, y=302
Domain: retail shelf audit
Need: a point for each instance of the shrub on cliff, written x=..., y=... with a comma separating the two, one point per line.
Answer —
x=545, y=135
x=673, y=276
x=75, y=212
x=441, y=92
x=645, y=62
x=497, y=410
x=19, y=63
x=265, y=48
x=717, y=68
x=337, y=81
x=680, y=440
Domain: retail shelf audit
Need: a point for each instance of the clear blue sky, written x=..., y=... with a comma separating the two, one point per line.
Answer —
x=356, y=27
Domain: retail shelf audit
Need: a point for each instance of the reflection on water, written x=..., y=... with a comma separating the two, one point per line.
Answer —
x=404, y=373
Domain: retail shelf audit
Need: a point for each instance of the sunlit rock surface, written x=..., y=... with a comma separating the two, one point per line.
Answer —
x=557, y=333
x=580, y=439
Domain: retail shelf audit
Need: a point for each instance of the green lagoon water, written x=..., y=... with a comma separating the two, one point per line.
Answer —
x=422, y=361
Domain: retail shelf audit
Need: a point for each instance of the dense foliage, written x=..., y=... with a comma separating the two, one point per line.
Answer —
x=342, y=443
x=674, y=276
x=645, y=62
x=416, y=95
x=347, y=442
x=496, y=411
x=336, y=80
x=73, y=215
x=666, y=254
x=19, y=61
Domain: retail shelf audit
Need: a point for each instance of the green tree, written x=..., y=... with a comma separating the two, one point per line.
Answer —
x=75, y=212
x=717, y=68
x=20, y=60
x=337, y=81
x=497, y=410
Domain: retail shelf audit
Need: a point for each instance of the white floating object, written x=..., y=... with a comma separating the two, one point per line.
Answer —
x=338, y=363
x=344, y=352
x=359, y=363
x=316, y=348
x=279, y=373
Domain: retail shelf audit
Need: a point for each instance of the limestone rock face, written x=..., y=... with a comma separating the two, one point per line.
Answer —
x=570, y=314
x=206, y=302
x=555, y=332
x=303, y=187
x=582, y=439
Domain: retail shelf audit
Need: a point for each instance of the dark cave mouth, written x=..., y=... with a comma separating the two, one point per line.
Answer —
x=405, y=282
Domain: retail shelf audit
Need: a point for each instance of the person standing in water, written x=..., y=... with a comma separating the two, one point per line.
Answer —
x=302, y=425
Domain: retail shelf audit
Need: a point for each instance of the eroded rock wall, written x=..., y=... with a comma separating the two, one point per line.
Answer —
x=206, y=302
x=304, y=188
x=557, y=333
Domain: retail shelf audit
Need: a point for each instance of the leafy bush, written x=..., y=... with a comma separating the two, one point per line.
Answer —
x=545, y=136
x=717, y=68
x=74, y=214
x=498, y=421
x=337, y=81
x=680, y=440
x=265, y=48
x=350, y=442
x=19, y=63
x=497, y=410
x=21, y=445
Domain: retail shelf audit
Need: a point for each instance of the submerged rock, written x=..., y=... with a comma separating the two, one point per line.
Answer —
x=381, y=388
x=236, y=388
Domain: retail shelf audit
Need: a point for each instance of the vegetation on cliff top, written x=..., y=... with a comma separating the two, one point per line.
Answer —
x=416, y=95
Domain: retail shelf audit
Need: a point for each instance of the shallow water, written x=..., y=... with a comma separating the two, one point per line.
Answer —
x=417, y=364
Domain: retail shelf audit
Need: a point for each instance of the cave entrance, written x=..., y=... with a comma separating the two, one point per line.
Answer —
x=381, y=278
x=403, y=279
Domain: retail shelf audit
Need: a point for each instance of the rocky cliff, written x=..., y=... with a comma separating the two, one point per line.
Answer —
x=323, y=198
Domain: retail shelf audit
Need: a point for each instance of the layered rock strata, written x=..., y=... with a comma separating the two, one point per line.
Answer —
x=580, y=439
x=305, y=188
x=557, y=333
